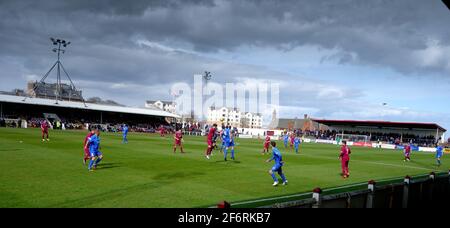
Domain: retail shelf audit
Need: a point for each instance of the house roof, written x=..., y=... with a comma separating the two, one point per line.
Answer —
x=381, y=124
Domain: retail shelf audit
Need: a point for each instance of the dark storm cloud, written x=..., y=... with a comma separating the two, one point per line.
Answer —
x=378, y=32
x=104, y=33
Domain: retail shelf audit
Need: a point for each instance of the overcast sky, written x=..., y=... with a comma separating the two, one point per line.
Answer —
x=334, y=59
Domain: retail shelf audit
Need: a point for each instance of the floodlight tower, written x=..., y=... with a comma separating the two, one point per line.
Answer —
x=207, y=77
x=60, y=48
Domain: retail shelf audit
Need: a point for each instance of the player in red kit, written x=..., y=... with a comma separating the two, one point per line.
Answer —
x=162, y=131
x=345, y=159
x=87, y=154
x=407, y=152
x=266, y=145
x=211, y=134
x=178, y=137
x=44, y=129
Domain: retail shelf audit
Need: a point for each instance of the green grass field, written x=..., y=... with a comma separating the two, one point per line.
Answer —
x=146, y=173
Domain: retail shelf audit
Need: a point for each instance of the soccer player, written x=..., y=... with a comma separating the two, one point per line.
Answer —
x=297, y=142
x=345, y=159
x=291, y=140
x=222, y=137
x=229, y=143
x=439, y=154
x=178, y=137
x=407, y=152
x=94, y=149
x=216, y=135
x=211, y=133
x=266, y=145
x=125, y=134
x=162, y=131
x=44, y=129
x=277, y=168
x=286, y=140
x=87, y=154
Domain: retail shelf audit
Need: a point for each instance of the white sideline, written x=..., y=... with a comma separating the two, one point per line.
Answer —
x=309, y=193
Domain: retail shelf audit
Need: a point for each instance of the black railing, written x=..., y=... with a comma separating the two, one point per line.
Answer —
x=412, y=193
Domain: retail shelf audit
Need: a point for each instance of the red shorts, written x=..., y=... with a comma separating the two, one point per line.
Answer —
x=44, y=131
x=266, y=145
x=210, y=143
x=87, y=154
x=177, y=142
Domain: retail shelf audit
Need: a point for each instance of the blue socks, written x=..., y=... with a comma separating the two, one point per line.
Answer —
x=91, y=163
x=275, y=179
x=94, y=163
x=225, y=153
x=282, y=177
x=98, y=161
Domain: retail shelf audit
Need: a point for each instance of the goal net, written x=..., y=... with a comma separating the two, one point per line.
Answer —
x=352, y=138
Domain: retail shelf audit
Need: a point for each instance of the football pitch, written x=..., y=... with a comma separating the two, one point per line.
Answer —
x=146, y=172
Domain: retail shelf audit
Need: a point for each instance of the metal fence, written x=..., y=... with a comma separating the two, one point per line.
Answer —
x=430, y=191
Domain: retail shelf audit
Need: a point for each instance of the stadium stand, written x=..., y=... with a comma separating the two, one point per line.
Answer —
x=74, y=115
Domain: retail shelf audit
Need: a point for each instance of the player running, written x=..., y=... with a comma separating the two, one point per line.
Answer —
x=439, y=154
x=291, y=141
x=222, y=137
x=229, y=143
x=266, y=145
x=125, y=134
x=286, y=140
x=211, y=133
x=277, y=168
x=345, y=159
x=44, y=128
x=178, y=137
x=297, y=142
x=87, y=154
x=94, y=146
x=407, y=152
x=214, y=140
x=162, y=131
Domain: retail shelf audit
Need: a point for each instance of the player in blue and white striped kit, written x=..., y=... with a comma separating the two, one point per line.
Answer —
x=276, y=156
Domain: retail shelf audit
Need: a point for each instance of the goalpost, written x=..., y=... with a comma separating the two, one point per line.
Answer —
x=352, y=138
